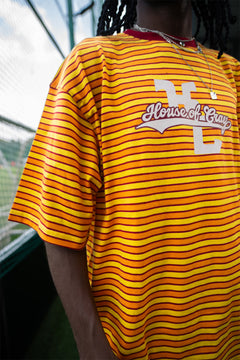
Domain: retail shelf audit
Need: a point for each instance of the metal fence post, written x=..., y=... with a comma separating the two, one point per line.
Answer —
x=70, y=23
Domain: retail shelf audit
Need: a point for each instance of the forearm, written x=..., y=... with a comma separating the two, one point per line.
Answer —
x=70, y=275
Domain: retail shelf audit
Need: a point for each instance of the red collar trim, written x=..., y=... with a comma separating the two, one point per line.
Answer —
x=154, y=36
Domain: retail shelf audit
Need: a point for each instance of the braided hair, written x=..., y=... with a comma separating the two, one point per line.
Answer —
x=216, y=17
x=213, y=15
x=115, y=17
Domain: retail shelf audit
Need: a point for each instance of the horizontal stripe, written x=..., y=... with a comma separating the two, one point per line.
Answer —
x=160, y=223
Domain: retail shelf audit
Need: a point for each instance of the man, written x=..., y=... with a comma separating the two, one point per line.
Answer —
x=133, y=182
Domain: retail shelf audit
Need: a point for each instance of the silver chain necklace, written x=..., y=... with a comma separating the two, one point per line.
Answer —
x=171, y=40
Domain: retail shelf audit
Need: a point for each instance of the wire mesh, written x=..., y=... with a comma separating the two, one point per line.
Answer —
x=28, y=62
x=15, y=143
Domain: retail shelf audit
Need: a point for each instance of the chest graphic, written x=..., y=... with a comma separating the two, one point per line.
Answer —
x=162, y=118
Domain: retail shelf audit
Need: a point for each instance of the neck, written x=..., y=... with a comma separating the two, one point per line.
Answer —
x=173, y=17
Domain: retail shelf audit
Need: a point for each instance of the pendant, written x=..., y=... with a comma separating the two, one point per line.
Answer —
x=213, y=95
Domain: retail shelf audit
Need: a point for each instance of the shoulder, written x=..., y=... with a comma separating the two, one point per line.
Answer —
x=230, y=60
x=225, y=59
x=90, y=53
x=227, y=64
x=231, y=67
x=100, y=44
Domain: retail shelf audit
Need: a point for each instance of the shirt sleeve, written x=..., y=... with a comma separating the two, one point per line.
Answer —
x=56, y=194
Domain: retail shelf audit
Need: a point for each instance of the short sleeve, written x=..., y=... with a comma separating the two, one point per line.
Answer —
x=56, y=194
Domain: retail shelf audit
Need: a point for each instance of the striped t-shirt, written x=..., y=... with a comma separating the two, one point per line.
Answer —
x=134, y=160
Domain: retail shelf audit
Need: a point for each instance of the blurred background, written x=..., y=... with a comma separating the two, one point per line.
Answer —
x=35, y=37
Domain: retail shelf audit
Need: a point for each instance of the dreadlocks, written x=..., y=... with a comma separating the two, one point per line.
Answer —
x=115, y=18
x=213, y=15
x=216, y=17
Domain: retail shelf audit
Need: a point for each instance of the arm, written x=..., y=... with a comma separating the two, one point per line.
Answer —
x=70, y=275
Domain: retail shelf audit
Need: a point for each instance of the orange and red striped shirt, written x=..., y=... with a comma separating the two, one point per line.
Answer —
x=134, y=160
